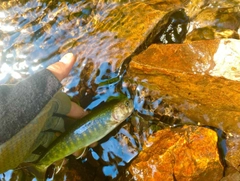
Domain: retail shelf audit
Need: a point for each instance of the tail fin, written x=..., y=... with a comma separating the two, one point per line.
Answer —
x=39, y=171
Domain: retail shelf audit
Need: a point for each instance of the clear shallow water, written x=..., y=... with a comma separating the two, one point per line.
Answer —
x=35, y=34
x=32, y=34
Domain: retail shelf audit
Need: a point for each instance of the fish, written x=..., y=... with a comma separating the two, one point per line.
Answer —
x=88, y=130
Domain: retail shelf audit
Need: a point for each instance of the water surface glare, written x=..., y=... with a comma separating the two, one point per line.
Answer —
x=35, y=34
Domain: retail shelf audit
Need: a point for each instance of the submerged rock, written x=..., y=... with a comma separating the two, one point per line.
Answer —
x=209, y=33
x=190, y=77
x=212, y=23
x=115, y=35
x=116, y=32
x=187, y=153
x=231, y=175
x=233, y=154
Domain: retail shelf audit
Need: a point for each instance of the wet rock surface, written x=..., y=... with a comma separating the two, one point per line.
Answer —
x=233, y=154
x=175, y=30
x=198, y=82
x=182, y=75
x=213, y=23
x=187, y=153
x=231, y=174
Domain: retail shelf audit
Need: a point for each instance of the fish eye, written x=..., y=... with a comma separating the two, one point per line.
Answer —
x=127, y=103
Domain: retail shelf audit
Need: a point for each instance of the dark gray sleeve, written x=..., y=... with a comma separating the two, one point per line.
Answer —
x=20, y=103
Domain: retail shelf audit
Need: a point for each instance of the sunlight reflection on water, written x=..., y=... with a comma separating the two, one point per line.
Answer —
x=36, y=34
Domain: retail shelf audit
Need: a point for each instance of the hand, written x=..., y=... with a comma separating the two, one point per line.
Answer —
x=62, y=68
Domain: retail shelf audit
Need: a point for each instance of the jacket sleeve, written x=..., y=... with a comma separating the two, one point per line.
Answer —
x=20, y=103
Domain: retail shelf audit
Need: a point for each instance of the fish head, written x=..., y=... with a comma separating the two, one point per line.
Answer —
x=122, y=110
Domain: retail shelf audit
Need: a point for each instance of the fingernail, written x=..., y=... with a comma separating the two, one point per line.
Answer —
x=66, y=58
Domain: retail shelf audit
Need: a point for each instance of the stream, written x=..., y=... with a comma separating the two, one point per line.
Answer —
x=37, y=33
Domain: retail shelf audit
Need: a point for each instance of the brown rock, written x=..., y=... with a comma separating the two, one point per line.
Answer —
x=194, y=7
x=115, y=35
x=188, y=153
x=182, y=75
x=226, y=18
x=231, y=174
x=233, y=154
x=232, y=177
x=165, y=5
x=212, y=23
x=209, y=33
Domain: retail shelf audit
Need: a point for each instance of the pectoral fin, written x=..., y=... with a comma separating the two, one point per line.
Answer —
x=80, y=153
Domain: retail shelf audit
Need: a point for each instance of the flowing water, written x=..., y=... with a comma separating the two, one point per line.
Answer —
x=37, y=33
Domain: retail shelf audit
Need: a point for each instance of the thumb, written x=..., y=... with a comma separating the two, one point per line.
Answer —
x=62, y=68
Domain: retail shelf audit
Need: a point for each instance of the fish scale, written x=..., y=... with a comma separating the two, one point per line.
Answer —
x=86, y=131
